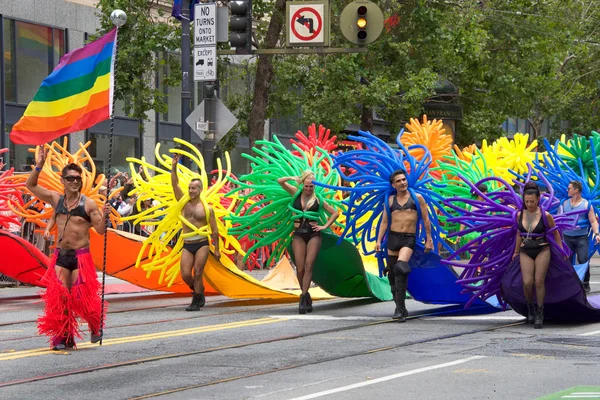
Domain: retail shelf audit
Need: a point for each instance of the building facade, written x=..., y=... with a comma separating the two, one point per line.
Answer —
x=34, y=35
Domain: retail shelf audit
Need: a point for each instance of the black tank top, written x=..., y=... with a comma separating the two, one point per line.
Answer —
x=409, y=205
x=78, y=211
x=539, y=228
x=298, y=204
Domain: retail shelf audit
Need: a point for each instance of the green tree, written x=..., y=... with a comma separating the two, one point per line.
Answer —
x=527, y=59
x=145, y=44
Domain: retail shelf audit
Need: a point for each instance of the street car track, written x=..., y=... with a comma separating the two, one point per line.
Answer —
x=260, y=342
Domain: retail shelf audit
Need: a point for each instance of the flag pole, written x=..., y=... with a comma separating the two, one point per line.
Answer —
x=118, y=18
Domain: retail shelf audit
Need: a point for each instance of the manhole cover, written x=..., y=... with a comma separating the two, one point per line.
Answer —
x=573, y=341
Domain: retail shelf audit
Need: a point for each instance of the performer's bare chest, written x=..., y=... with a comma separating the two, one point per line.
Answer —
x=194, y=213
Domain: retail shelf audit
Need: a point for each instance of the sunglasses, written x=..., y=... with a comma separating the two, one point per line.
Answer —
x=73, y=179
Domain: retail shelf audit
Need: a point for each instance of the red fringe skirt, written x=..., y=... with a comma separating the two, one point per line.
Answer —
x=63, y=307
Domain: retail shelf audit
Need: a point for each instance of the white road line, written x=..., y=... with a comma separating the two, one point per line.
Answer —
x=581, y=396
x=386, y=378
x=589, y=333
x=329, y=318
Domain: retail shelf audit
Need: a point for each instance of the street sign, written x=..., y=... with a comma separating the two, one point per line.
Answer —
x=205, y=24
x=201, y=126
x=224, y=120
x=197, y=116
x=308, y=23
x=205, y=63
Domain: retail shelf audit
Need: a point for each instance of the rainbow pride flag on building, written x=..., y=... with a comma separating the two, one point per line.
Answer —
x=75, y=96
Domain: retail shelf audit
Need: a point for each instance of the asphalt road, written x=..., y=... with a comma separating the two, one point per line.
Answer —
x=345, y=349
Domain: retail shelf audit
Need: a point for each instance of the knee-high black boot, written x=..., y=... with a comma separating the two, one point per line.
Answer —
x=539, y=317
x=401, y=282
x=530, y=313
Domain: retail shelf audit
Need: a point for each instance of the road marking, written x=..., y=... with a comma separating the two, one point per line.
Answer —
x=589, y=333
x=477, y=318
x=329, y=318
x=577, y=392
x=387, y=378
x=141, y=338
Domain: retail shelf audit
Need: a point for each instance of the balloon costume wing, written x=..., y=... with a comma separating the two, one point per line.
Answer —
x=271, y=219
x=559, y=173
x=371, y=188
x=494, y=217
x=165, y=215
x=580, y=154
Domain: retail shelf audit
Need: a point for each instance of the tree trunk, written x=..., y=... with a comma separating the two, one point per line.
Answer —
x=536, y=125
x=264, y=75
x=366, y=119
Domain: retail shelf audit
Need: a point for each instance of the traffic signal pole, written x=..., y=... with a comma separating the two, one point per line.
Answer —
x=208, y=146
x=186, y=89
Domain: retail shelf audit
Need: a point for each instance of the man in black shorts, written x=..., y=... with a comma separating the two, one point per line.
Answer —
x=195, y=246
x=402, y=238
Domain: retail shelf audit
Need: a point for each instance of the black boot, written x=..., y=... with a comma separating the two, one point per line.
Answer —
x=398, y=310
x=195, y=306
x=401, y=283
x=302, y=305
x=539, y=317
x=309, y=306
x=202, y=301
x=530, y=313
x=404, y=315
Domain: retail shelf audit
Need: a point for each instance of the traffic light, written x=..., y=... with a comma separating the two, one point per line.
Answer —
x=240, y=26
x=361, y=22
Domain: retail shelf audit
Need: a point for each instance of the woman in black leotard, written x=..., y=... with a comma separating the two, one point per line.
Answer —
x=307, y=235
x=533, y=250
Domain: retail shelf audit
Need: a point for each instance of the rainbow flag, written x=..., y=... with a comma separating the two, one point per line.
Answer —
x=75, y=96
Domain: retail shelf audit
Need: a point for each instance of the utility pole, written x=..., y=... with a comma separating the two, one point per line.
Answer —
x=186, y=90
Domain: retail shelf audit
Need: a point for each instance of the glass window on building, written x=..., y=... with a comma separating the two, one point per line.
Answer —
x=35, y=56
x=9, y=62
x=119, y=108
x=172, y=97
x=123, y=147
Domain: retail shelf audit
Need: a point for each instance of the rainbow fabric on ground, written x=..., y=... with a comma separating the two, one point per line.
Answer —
x=75, y=96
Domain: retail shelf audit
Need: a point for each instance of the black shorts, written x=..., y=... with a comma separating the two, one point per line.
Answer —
x=305, y=231
x=398, y=240
x=195, y=246
x=67, y=259
x=306, y=236
x=533, y=248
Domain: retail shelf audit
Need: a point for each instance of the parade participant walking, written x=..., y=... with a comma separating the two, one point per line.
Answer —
x=72, y=288
x=195, y=248
x=307, y=234
x=403, y=221
x=534, y=251
x=577, y=239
